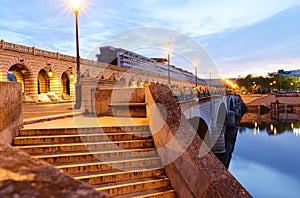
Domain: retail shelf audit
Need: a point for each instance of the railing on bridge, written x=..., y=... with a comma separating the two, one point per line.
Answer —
x=35, y=51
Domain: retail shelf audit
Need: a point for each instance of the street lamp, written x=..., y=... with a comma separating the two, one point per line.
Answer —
x=196, y=62
x=169, y=54
x=76, y=6
x=196, y=76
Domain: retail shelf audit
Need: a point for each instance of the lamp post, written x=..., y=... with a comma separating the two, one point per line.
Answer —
x=196, y=63
x=168, y=45
x=76, y=6
x=169, y=83
x=196, y=76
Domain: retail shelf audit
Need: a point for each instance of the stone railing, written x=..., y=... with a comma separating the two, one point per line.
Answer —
x=11, y=114
x=35, y=51
x=193, y=169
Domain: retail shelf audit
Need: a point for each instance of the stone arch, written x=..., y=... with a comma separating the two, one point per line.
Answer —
x=67, y=81
x=140, y=83
x=43, y=81
x=231, y=105
x=221, y=116
x=146, y=82
x=100, y=76
x=112, y=77
x=200, y=126
x=20, y=73
x=132, y=83
x=122, y=82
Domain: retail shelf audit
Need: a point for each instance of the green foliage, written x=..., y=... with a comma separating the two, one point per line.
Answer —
x=271, y=83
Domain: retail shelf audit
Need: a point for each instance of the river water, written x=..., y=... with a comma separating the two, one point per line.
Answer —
x=266, y=159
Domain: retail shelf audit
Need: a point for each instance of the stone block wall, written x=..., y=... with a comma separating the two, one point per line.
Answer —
x=11, y=114
x=107, y=96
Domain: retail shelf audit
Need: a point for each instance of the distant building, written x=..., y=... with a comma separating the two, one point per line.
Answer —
x=129, y=59
x=294, y=73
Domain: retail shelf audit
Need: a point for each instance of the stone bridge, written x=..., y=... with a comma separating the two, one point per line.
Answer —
x=41, y=71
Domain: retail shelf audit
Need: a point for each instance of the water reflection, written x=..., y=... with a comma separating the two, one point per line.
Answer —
x=265, y=159
x=271, y=128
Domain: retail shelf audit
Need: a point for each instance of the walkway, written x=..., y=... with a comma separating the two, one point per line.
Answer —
x=81, y=121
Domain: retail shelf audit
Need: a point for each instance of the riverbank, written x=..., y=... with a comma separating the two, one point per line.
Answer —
x=267, y=99
x=257, y=104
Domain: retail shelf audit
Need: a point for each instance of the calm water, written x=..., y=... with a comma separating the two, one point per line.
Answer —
x=266, y=159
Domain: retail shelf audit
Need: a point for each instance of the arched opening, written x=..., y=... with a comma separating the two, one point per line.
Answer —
x=65, y=84
x=17, y=73
x=231, y=106
x=122, y=82
x=200, y=126
x=132, y=83
x=112, y=77
x=101, y=76
x=140, y=83
x=221, y=115
x=43, y=82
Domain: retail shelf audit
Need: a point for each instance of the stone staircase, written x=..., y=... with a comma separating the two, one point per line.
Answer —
x=119, y=161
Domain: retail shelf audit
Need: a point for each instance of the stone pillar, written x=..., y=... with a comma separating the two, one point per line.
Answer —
x=89, y=86
x=11, y=114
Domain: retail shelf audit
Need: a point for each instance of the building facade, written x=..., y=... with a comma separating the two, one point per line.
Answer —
x=157, y=66
x=294, y=73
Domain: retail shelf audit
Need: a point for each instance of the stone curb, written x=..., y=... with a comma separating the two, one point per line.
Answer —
x=51, y=117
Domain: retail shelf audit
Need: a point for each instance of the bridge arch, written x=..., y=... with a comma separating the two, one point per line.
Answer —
x=140, y=83
x=21, y=73
x=67, y=79
x=44, y=81
x=231, y=104
x=221, y=114
x=200, y=126
x=132, y=83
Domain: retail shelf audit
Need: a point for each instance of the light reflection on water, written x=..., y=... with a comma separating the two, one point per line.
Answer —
x=266, y=159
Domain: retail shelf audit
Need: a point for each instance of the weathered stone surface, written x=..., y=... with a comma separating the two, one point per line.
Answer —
x=193, y=169
x=23, y=176
x=11, y=115
x=104, y=98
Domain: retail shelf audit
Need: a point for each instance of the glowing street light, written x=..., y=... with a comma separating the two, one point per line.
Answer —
x=76, y=6
x=50, y=73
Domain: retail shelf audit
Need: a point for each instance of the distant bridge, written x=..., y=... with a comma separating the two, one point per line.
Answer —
x=41, y=71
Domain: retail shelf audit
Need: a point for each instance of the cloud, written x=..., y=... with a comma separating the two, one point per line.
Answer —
x=50, y=24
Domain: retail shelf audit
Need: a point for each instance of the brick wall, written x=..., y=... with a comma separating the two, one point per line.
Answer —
x=11, y=114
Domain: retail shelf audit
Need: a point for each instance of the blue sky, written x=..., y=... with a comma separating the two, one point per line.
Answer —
x=241, y=37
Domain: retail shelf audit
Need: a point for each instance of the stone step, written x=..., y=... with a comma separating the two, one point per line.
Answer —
x=133, y=186
x=67, y=157
x=77, y=138
x=155, y=193
x=89, y=146
x=90, y=167
x=87, y=130
x=119, y=175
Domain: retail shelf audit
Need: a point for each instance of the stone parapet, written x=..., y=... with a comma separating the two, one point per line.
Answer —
x=11, y=114
x=193, y=169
